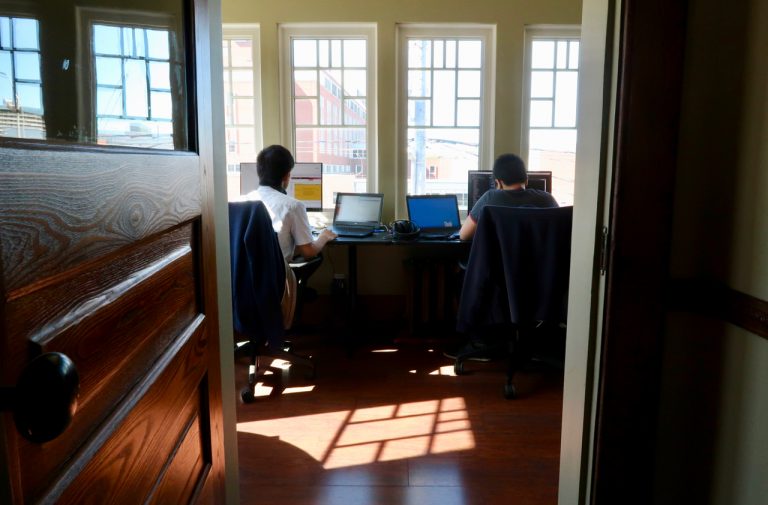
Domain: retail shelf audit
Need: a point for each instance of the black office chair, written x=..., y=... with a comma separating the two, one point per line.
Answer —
x=516, y=281
x=258, y=285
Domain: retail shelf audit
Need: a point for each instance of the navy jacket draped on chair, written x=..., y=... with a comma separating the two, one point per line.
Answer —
x=518, y=268
x=258, y=273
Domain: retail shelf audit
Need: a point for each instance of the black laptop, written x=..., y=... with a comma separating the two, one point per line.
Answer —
x=436, y=215
x=357, y=214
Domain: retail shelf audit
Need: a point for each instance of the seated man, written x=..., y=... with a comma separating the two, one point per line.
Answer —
x=289, y=216
x=510, y=178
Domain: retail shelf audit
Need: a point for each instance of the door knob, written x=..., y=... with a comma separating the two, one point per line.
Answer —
x=45, y=397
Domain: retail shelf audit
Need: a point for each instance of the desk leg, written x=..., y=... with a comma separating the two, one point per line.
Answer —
x=352, y=267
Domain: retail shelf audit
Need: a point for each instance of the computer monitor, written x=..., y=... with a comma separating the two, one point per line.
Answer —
x=306, y=183
x=480, y=181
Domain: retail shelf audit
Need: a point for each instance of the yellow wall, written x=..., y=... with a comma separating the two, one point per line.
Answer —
x=510, y=17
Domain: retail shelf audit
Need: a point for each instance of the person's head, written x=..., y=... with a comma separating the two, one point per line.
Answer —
x=273, y=164
x=510, y=169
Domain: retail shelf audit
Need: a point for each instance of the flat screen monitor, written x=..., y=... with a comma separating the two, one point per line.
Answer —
x=306, y=183
x=481, y=181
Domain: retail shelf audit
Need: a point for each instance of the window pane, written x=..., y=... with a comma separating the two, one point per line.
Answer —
x=136, y=100
x=242, y=53
x=242, y=141
x=305, y=83
x=419, y=113
x=109, y=101
x=139, y=41
x=562, y=54
x=305, y=111
x=470, y=54
x=6, y=85
x=159, y=75
x=445, y=98
x=243, y=110
x=354, y=111
x=162, y=107
x=128, y=49
x=450, y=54
x=565, y=99
x=158, y=44
x=419, y=53
x=343, y=154
x=27, y=66
x=419, y=83
x=304, y=53
x=106, y=40
x=451, y=151
x=242, y=83
x=30, y=97
x=542, y=84
x=354, y=83
x=573, y=60
x=439, y=53
x=25, y=34
x=330, y=111
x=469, y=83
x=336, y=53
x=541, y=113
x=468, y=113
x=225, y=52
x=543, y=54
x=109, y=71
x=5, y=32
x=325, y=53
x=354, y=53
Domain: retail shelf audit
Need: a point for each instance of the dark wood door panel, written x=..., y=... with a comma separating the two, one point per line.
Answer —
x=114, y=345
x=59, y=210
x=162, y=425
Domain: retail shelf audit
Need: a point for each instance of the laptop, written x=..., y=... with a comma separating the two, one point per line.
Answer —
x=357, y=214
x=436, y=215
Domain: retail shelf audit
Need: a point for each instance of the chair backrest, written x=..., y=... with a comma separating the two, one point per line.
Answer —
x=518, y=268
x=258, y=273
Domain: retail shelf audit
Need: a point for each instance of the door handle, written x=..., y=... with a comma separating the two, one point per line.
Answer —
x=45, y=397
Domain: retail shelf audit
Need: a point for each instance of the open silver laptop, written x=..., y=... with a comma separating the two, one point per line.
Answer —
x=357, y=214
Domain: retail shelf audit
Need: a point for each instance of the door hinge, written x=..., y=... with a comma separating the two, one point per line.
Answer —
x=604, y=250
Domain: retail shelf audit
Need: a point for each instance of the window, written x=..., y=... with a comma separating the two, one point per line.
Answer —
x=21, y=95
x=446, y=77
x=549, y=136
x=329, y=73
x=242, y=99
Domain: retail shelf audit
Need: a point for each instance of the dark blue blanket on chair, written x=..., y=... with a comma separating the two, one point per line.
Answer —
x=258, y=273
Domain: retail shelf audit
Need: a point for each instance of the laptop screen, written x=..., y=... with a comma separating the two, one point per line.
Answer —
x=433, y=212
x=358, y=208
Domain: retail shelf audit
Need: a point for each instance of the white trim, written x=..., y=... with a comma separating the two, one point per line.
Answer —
x=253, y=32
x=404, y=31
x=289, y=31
x=537, y=32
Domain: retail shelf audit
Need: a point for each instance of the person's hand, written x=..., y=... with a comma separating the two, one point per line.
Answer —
x=327, y=234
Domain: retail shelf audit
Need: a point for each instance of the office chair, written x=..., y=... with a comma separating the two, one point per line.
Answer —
x=516, y=280
x=258, y=273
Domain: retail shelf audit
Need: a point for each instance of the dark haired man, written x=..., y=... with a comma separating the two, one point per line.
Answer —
x=289, y=216
x=510, y=178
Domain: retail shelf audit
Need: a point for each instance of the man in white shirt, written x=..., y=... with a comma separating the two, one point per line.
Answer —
x=289, y=216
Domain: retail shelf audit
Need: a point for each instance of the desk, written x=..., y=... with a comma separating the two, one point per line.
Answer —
x=384, y=239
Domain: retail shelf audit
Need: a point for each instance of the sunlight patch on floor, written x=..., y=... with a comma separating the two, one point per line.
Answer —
x=373, y=434
x=444, y=370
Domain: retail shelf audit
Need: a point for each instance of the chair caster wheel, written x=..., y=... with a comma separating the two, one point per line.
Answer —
x=509, y=391
x=287, y=346
x=247, y=395
x=458, y=368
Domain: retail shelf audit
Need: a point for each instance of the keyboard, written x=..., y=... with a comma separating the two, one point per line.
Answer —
x=352, y=231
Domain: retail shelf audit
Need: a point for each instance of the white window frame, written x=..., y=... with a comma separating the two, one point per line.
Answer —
x=485, y=32
x=232, y=31
x=539, y=32
x=367, y=31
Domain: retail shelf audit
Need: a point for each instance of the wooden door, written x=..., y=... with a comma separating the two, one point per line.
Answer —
x=107, y=253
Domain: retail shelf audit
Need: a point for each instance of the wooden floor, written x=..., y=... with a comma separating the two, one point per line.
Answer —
x=391, y=424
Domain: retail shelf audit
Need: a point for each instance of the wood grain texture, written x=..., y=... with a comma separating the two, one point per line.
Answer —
x=184, y=470
x=145, y=439
x=59, y=211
